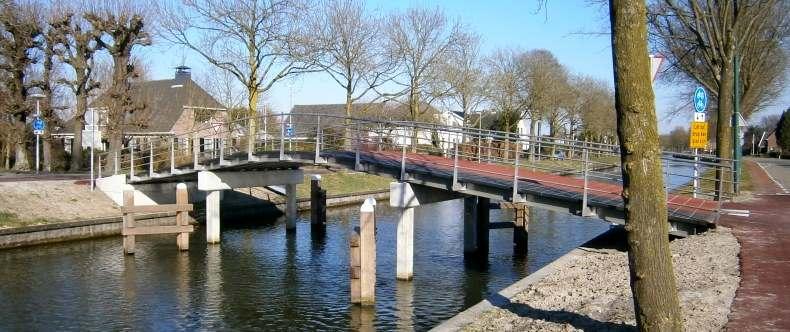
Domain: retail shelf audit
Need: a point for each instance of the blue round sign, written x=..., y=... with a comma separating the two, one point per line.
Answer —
x=38, y=124
x=289, y=130
x=700, y=100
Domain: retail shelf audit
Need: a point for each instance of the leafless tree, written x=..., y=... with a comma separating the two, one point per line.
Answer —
x=593, y=103
x=507, y=92
x=21, y=36
x=118, y=28
x=420, y=40
x=702, y=38
x=464, y=76
x=350, y=41
x=260, y=42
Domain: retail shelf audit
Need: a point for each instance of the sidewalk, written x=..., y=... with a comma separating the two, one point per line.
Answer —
x=762, y=302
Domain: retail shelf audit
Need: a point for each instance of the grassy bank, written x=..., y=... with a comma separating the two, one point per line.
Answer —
x=708, y=183
x=345, y=183
x=11, y=220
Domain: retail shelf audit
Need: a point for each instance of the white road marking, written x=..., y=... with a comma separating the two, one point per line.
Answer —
x=772, y=179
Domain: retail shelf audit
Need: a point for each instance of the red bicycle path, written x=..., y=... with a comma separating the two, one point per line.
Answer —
x=762, y=301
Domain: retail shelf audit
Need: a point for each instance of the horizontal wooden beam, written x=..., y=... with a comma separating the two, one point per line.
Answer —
x=156, y=208
x=498, y=225
x=148, y=230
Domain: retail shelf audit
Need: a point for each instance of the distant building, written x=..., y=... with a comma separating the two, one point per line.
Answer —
x=172, y=107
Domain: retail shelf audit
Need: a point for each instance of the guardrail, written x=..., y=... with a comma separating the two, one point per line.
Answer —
x=687, y=174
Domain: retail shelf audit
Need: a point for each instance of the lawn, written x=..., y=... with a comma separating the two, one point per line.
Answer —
x=344, y=183
x=11, y=220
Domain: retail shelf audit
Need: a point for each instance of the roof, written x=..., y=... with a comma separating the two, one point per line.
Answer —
x=164, y=102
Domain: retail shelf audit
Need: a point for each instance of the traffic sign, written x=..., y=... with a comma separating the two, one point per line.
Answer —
x=699, y=117
x=289, y=130
x=38, y=126
x=698, y=137
x=700, y=100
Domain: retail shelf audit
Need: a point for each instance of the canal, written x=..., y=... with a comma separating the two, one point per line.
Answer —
x=261, y=278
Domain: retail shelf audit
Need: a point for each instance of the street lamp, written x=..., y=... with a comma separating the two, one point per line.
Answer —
x=37, y=97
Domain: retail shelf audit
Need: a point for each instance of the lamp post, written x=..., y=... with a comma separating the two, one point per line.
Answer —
x=37, y=131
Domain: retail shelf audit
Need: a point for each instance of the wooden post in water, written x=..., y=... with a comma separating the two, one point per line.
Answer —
x=367, y=255
x=520, y=228
x=128, y=220
x=317, y=204
x=182, y=217
x=483, y=216
x=355, y=267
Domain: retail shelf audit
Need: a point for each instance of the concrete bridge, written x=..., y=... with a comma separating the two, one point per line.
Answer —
x=428, y=163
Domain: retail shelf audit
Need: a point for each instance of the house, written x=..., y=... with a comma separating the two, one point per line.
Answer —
x=172, y=107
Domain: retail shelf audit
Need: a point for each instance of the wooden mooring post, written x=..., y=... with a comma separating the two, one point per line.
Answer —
x=317, y=205
x=520, y=228
x=182, y=226
x=363, y=256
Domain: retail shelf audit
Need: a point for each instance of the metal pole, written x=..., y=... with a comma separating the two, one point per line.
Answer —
x=37, y=148
x=172, y=156
x=318, y=140
x=282, y=140
x=586, y=177
x=489, y=149
x=357, y=166
x=195, y=149
x=150, y=159
x=696, y=173
x=131, y=160
x=736, y=123
x=455, y=164
x=221, y=151
x=115, y=162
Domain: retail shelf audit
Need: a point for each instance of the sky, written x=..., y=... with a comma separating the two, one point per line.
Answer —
x=570, y=29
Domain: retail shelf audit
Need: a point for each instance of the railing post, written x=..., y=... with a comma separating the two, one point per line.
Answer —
x=318, y=141
x=515, y=176
x=172, y=155
x=378, y=138
x=455, y=165
x=282, y=140
x=696, y=174
x=195, y=151
x=251, y=137
x=357, y=165
x=403, y=163
x=489, y=139
x=131, y=160
x=585, y=210
x=221, y=151
x=115, y=163
x=150, y=159
x=479, y=152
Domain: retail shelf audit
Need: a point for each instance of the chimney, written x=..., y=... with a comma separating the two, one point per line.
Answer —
x=183, y=73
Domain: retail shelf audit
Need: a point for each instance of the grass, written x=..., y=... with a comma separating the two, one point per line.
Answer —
x=344, y=183
x=11, y=220
x=708, y=183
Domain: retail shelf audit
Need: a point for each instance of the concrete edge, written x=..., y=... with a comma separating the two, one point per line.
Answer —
x=470, y=315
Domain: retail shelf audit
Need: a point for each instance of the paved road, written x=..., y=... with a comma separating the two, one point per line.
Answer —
x=779, y=171
x=762, y=302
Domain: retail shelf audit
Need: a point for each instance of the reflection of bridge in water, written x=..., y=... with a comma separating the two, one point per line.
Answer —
x=576, y=177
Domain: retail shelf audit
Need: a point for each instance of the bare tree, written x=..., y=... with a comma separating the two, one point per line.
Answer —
x=507, y=91
x=650, y=261
x=260, y=42
x=118, y=29
x=464, y=76
x=701, y=40
x=593, y=103
x=21, y=35
x=75, y=47
x=420, y=40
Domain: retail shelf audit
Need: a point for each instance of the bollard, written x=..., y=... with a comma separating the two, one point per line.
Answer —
x=366, y=258
x=317, y=204
x=128, y=220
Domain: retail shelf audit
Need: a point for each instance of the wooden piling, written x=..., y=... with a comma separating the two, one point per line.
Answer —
x=128, y=221
x=482, y=231
x=355, y=267
x=182, y=217
x=520, y=227
x=317, y=204
x=367, y=255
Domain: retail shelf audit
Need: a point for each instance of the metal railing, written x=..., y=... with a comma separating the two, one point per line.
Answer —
x=463, y=149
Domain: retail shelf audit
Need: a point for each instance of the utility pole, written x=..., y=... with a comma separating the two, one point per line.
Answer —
x=736, y=126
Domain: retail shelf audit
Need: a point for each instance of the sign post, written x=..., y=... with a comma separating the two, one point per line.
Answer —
x=698, y=135
x=38, y=125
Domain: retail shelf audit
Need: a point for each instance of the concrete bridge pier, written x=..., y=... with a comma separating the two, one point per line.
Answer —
x=215, y=182
x=407, y=197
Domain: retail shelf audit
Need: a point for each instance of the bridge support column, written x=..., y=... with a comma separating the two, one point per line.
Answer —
x=212, y=216
x=520, y=228
x=405, y=244
x=483, y=216
x=290, y=207
x=470, y=225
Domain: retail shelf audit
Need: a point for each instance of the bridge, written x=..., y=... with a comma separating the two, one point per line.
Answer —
x=428, y=163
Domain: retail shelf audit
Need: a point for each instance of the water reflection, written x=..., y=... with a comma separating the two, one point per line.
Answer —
x=262, y=277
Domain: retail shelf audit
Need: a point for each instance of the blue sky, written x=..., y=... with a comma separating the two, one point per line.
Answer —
x=565, y=28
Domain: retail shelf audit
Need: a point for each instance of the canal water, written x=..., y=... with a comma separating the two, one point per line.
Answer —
x=259, y=278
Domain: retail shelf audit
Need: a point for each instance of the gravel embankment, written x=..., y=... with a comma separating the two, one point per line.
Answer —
x=592, y=292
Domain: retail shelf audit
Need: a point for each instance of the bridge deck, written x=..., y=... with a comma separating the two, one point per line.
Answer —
x=493, y=180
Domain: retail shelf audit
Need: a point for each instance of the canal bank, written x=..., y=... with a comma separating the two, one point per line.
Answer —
x=588, y=289
x=111, y=226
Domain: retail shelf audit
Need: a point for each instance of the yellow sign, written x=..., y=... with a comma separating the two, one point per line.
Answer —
x=698, y=137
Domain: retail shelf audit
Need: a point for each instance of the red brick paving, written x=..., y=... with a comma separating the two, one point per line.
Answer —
x=762, y=302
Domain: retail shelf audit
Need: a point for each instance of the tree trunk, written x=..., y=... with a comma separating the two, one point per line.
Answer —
x=650, y=262
x=76, y=143
x=724, y=125
x=414, y=108
x=21, y=162
x=347, y=129
x=46, y=144
x=252, y=118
